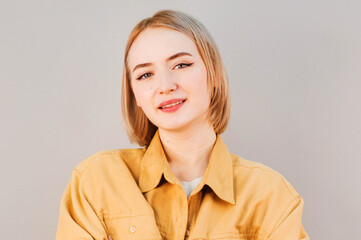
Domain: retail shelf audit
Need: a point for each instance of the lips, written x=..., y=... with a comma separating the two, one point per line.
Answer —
x=175, y=100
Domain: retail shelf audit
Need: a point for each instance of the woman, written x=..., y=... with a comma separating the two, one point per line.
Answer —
x=184, y=184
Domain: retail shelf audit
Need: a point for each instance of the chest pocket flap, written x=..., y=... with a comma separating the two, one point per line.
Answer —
x=132, y=227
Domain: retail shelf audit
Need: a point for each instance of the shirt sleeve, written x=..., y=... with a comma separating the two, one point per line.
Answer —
x=77, y=218
x=289, y=226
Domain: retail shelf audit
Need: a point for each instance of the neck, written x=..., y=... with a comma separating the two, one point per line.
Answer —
x=188, y=151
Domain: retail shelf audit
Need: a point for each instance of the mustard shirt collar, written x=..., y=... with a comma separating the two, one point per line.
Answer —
x=218, y=175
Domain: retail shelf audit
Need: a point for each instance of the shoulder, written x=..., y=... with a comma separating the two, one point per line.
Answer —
x=110, y=162
x=265, y=197
x=261, y=177
x=107, y=175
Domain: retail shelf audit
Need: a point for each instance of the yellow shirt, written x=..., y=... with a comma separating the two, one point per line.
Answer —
x=133, y=194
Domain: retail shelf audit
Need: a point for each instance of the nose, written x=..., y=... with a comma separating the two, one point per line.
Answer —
x=167, y=83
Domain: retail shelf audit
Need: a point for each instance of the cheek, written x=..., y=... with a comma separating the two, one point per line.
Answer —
x=142, y=95
x=198, y=82
x=137, y=95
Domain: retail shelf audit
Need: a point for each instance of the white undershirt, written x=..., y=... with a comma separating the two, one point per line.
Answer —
x=189, y=186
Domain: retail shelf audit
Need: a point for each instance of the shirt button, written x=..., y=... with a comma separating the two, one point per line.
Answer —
x=132, y=229
x=187, y=232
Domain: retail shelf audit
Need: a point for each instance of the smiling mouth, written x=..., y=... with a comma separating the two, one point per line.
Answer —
x=172, y=104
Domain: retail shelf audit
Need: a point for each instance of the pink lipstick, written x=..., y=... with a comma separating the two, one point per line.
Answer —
x=171, y=105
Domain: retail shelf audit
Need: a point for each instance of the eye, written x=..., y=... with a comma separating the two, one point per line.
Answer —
x=145, y=75
x=183, y=65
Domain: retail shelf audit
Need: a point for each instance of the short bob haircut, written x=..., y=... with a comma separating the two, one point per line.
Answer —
x=139, y=128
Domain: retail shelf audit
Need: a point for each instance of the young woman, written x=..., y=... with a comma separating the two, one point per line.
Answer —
x=184, y=184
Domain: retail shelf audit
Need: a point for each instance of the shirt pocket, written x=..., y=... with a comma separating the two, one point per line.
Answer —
x=140, y=227
x=239, y=237
x=226, y=236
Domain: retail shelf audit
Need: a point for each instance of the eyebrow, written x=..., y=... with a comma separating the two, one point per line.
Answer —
x=168, y=59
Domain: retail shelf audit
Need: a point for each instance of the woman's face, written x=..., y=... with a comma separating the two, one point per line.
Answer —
x=169, y=79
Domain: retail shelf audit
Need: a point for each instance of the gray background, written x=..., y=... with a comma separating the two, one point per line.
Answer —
x=294, y=70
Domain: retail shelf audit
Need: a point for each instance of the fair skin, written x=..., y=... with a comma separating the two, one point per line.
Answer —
x=165, y=64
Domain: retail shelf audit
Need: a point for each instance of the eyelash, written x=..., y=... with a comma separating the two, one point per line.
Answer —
x=185, y=64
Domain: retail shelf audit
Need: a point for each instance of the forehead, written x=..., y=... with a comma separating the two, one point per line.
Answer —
x=156, y=44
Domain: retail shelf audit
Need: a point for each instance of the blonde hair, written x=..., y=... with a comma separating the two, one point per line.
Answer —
x=138, y=126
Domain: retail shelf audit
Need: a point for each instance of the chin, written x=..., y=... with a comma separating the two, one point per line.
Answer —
x=173, y=126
